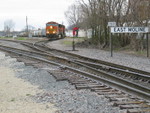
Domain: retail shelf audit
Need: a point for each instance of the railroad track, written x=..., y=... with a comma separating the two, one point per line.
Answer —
x=103, y=65
x=126, y=72
x=99, y=84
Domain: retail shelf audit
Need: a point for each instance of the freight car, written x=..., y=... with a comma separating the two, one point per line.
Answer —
x=39, y=33
x=55, y=30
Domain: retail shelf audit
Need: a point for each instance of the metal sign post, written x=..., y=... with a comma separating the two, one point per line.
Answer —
x=75, y=34
x=111, y=46
x=147, y=45
x=73, y=45
x=111, y=24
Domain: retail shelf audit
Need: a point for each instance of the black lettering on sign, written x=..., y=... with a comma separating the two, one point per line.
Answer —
x=141, y=29
x=129, y=29
x=123, y=29
x=114, y=29
x=132, y=29
x=135, y=29
x=118, y=30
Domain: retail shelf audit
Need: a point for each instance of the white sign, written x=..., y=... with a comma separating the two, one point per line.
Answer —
x=111, y=24
x=129, y=30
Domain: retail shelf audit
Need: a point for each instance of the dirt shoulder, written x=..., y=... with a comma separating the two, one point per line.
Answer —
x=15, y=95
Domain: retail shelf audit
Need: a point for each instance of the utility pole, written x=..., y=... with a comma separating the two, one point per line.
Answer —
x=27, y=26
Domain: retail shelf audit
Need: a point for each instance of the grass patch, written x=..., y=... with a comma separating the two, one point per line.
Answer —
x=21, y=38
x=69, y=40
x=16, y=38
x=141, y=52
x=130, y=51
x=28, y=94
x=66, y=42
x=126, y=48
x=6, y=37
x=12, y=100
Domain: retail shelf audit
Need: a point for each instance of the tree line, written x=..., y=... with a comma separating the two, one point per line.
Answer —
x=95, y=15
x=9, y=26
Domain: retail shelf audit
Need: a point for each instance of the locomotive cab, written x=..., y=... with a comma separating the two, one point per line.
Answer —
x=55, y=30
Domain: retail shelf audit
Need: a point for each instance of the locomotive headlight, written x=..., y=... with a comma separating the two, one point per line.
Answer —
x=54, y=31
x=51, y=27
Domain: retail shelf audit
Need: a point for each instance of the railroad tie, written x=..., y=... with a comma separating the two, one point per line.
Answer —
x=81, y=86
x=138, y=111
x=134, y=106
x=119, y=99
x=127, y=103
x=102, y=87
x=79, y=82
x=109, y=93
x=116, y=96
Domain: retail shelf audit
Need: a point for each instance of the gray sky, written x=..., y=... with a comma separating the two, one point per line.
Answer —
x=38, y=12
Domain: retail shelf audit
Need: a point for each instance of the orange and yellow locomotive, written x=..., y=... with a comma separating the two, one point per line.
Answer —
x=55, y=30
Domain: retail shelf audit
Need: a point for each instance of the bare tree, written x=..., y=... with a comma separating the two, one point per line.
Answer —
x=95, y=15
x=8, y=27
x=73, y=15
x=89, y=10
x=140, y=17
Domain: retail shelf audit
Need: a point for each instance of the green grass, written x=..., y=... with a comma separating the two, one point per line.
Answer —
x=28, y=94
x=66, y=42
x=21, y=38
x=17, y=38
x=141, y=52
x=69, y=42
x=128, y=50
x=6, y=37
x=12, y=100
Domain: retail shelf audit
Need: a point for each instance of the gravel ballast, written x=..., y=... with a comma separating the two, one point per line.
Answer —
x=15, y=93
x=34, y=90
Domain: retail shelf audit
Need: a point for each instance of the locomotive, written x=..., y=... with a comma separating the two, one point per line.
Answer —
x=55, y=30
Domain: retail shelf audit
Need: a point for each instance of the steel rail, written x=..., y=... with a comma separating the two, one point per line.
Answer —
x=130, y=89
x=102, y=62
x=88, y=63
x=98, y=66
x=112, y=66
x=113, y=69
x=108, y=68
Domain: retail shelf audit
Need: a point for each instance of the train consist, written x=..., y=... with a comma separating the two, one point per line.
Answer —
x=52, y=30
x=39, y=33
x=55, y=30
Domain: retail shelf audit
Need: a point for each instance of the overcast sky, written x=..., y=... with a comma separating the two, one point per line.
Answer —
x=38, y=12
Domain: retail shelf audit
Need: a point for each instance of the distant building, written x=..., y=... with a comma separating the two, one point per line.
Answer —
x=81, y=33
x=11, y=34
x=2, y=33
